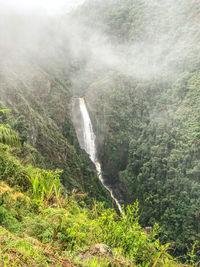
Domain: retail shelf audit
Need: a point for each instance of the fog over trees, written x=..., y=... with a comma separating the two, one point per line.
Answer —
x=137, y=65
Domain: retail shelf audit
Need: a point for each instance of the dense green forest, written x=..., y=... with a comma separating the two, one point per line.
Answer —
x=137, y=63
x=149, y=119
x=43, y=225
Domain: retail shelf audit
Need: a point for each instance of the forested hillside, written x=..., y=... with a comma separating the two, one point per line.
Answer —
x=37, y=90
x=147, y=113
x=137, y=63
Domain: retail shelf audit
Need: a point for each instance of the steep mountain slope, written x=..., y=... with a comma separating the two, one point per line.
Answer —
x=146, y=111
x=40, y=104
x=138, y=64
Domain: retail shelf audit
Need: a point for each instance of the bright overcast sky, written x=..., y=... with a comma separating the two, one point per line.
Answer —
x=47, y=6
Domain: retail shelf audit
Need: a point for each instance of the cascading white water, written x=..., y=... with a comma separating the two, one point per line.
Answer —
x=88, y=134
x=89, y=145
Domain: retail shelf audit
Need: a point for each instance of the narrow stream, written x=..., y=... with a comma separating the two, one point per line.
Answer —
x=86, y=139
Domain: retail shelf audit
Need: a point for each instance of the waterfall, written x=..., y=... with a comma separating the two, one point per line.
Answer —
x=88, y=134
x=86, y=139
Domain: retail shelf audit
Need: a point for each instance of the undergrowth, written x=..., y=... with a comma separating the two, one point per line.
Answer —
x=37, y=214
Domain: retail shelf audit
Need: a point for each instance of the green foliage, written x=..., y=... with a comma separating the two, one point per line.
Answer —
x=192, y=252
x=8, y=221
x=73, y=227
x=8, y=136
x=45, y=185
x=95, y=262
x=160, y=160
x=77, y=228
x=21, y=127
x=47, y=134
x=26, y=251
x=148, y=141
x=12, y=171
x=48, y=226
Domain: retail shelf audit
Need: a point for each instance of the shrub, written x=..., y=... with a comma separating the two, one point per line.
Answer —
x=46, y=185
x=12, y=171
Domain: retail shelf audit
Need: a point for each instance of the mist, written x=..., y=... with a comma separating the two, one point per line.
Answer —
x=164, y=45
x=166, y=39
x=45, y=7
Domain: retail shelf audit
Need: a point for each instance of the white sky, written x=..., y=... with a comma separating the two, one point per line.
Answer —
x=47, y=6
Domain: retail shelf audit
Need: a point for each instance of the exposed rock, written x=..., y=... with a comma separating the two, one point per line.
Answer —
x=98, y=250
x=101, y=249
